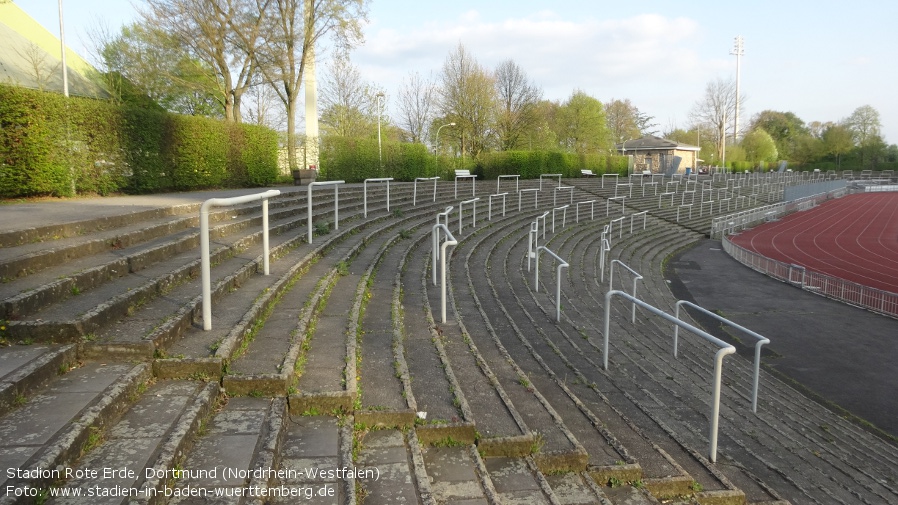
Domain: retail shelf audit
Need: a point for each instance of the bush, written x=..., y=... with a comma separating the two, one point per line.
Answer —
x=57, y=146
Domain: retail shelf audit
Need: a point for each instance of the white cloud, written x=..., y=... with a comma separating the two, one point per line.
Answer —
x=603, y=57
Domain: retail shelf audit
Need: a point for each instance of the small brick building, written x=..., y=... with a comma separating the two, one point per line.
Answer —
x=657, y=154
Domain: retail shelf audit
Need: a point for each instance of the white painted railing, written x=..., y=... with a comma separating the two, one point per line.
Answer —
x=724, y=350
x=365, y=192
x=760, y=341
x=461, y=212
x=336, y=185
x=530, y=190
x=636, y=278
x=563, y=210
x=489, y=209
x=415, y=190
x=516, y=181
x=592, y=210
x=542, y=176
x=876, y=300
x=562, y=188
x=439, y=252
x=205, y=265
x=561, y=264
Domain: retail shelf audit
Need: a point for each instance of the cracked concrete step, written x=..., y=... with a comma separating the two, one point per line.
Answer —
x=53, y=427
x=26, y=369
x=518, y=480
x=235, y=453
x=397, y=458
x=138, y=453
x=457, y=474
x=316, y=462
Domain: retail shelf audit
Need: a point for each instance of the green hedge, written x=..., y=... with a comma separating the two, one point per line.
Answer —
x=530, y=164
x=50, y=145
x=354, y=160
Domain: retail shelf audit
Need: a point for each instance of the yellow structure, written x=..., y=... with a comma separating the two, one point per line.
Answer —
x=30, y=57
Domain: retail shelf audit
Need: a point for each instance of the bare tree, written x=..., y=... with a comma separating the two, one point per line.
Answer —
x=518, y=98
x=468, y=98
x=713, y=109
x=349, y=104
x=293, y=28
x=621, y=117
x=417, y=101
x=220, y=33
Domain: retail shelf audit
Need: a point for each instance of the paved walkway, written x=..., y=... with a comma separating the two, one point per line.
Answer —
x=842, y=353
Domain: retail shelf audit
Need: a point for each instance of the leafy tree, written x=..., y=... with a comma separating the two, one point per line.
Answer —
x=837, y=140
x=468, y=99
x=517, y=99
x=865, y=126
x=783, y=127
x=220, y=34
x=143, y=57
x=806, y=148
x=759, y=146
x=581, y=125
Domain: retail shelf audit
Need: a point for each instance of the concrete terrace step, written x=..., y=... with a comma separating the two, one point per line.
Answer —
x=26, y=369
x=152, y=438
x=53, y=427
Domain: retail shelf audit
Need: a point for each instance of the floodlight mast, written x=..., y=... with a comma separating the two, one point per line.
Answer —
x=738, y=51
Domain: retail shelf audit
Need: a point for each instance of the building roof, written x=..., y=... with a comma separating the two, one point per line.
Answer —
x=30, y=57
x=653, y=143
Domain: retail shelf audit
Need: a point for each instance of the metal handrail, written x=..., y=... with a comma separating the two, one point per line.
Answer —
x=473, y=178
x=761, y=340
x=636, y=277
x=532, y=242
x=517, y=181
x=526, y=190
x=592, y=210
x=543, y=217
x=561, y=264
x=604, y=247
x=644, y=214
x=336, y=185
x=415, y=191
x=489, y=211
x=608, y=175
x=442, y=256
x=725, y=349
x=365, y=192
x=541, y=176
x=205, y=264
x=623, y=200
x=562, y=188
x=461, y=212
x=445, y=216
x=618, y=220
x=563, y=208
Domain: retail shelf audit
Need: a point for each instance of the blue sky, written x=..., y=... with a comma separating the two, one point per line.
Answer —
x=820, y=60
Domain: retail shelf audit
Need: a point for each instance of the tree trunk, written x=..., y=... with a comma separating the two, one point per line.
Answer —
x=291, y=134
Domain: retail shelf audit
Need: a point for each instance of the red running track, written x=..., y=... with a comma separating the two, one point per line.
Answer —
x=853, y=238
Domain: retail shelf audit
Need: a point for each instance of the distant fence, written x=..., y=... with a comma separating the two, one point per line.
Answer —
x=876, y=300
x=792, y=193
x=732, y=223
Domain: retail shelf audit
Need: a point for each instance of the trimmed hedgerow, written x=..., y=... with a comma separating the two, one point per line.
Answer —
x=57, y=146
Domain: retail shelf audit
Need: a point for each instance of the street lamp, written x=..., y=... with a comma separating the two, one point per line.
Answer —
x=379, y=97
x=436, y=150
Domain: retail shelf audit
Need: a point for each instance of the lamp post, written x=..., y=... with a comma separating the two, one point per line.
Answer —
x=436, y=150
x=379, y=97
